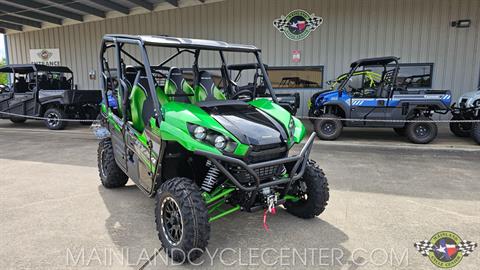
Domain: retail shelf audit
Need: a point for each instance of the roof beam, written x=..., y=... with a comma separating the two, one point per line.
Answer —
x=11, y=26
x=81, y=7
x=30, y=14
x=142, y=3
x=49, y=9
x=172, y=2
x=20, y=20
x=112, y=5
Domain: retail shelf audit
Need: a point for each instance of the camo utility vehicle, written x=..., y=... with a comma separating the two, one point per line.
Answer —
x=46, y=91
x=370, y=99
x=205, y=150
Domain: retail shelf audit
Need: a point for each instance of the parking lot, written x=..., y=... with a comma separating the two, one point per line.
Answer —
x=384, y=197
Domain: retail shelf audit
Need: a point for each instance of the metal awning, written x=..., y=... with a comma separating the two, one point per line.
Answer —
x=18, y=15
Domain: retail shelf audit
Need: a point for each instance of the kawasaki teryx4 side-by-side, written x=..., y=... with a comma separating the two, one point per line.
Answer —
x=370, y=99
x=203, y=150
x=48, y=92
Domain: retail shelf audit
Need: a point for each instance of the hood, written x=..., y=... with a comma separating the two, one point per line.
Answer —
x=469, y=98
x=248, y=124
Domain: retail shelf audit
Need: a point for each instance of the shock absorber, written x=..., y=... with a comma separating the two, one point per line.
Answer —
x=211, y=177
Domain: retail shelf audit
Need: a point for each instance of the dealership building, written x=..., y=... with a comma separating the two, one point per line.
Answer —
x=305, y=43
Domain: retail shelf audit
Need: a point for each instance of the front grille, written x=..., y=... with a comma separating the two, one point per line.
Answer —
x=260, y=153
x=263, y=173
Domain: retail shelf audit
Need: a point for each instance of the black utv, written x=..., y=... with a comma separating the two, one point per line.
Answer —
x=45, y=91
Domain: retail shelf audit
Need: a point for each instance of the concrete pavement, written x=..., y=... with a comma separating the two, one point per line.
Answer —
x=56, y=215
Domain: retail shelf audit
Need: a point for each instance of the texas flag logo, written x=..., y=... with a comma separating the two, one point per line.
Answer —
x=300, y=25
x=445, y=251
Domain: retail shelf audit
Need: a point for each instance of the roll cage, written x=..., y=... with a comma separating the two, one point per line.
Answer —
x=383, y=62
x=182, y=45
x=35, y=70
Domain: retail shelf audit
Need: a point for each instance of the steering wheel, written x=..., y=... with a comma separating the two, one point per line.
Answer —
x=243, y=93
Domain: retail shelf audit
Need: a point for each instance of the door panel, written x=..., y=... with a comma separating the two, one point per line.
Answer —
x=370, y=109
x=139, y=157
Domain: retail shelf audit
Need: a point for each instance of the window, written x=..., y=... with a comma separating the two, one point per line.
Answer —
x=412, y=75
x=296, y=77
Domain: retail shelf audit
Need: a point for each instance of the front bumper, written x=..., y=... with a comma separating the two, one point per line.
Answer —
x=297, y=164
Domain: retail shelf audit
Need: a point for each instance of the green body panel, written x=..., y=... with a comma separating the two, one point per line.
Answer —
x=281, y=115
x=174, y=127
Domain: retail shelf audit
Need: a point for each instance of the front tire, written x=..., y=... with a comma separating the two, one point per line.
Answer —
x=18, y=120
x=313, y=191
x=53, y=121
x=476, y=132
x=182, y=219
x=460, y=129
x=422, y=132
x=328, y=127
x=110, y=174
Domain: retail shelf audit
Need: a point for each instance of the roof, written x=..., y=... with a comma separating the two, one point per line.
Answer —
x=186, y=43
x=28, y=68
x=376, y=61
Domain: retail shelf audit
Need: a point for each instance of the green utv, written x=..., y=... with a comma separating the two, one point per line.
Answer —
x=202, y=147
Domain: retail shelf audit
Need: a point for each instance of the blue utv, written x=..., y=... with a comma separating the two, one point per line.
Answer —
x=363, y=98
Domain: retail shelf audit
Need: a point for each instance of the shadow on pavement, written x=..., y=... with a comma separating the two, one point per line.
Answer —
x=131, y=225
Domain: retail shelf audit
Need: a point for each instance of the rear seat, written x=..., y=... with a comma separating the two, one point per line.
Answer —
x=177, y=88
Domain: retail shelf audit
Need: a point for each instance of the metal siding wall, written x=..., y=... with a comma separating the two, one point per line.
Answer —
x=415, y=30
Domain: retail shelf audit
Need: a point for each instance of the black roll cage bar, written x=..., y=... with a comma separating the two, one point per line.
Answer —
x=118, y=42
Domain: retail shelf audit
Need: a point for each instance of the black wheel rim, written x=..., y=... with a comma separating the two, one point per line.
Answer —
x=172, y=221
x=328, y=127
x=422, y=131
x=53, y=119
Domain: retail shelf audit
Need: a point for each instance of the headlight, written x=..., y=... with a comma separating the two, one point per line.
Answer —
x=291, y=127
x=220, y=142
x=212, y=138
x=200, y=133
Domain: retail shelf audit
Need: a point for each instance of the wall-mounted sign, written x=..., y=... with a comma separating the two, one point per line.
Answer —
x=298, y=24
x=296, y=56
x=49, y=57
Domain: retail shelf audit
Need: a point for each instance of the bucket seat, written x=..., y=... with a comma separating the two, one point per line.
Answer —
x=177, y=88
x=205, y=88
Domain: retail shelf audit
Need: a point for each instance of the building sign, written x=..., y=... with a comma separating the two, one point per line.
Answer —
x=49, y=57
x=298, y=24
x=296, y=56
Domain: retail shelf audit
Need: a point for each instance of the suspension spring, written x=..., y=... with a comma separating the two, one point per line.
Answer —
x=211, y=177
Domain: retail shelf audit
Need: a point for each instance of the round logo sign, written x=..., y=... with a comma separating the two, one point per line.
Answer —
x=445, y=249
x=298, y=24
